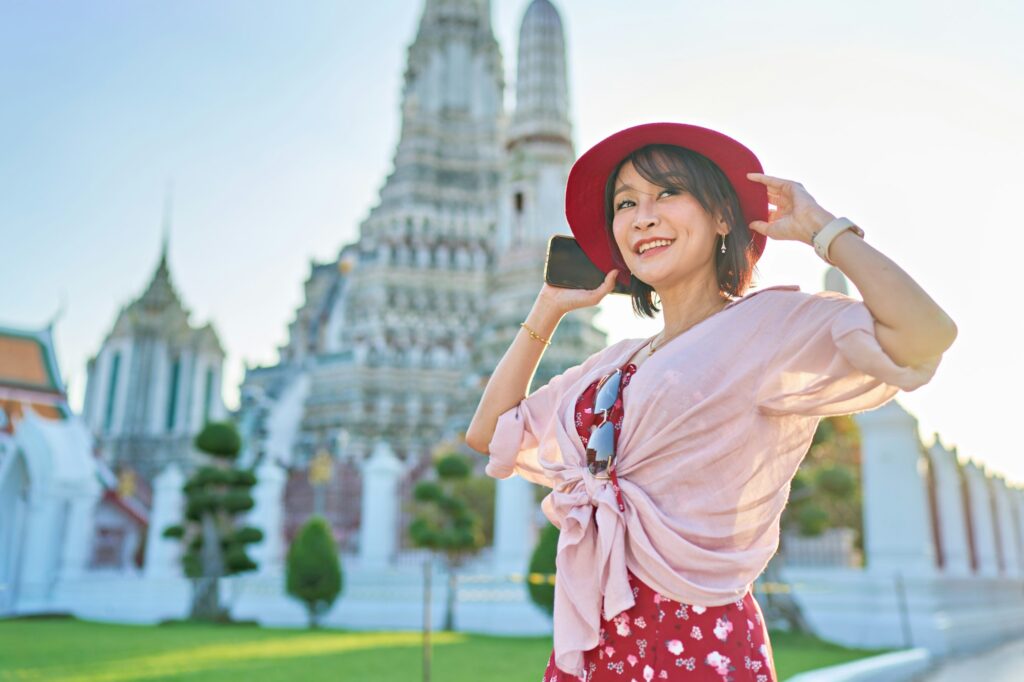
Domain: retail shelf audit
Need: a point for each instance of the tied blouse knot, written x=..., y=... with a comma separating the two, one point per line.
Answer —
x=713, y=429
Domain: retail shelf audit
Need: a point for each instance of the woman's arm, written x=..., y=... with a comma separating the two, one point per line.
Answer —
x=909, y=325
x=510, y=381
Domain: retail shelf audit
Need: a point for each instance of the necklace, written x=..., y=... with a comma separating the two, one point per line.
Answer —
x=652, y=347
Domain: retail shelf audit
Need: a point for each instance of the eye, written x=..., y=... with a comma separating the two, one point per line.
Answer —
x=669, y=191
x=625, y=203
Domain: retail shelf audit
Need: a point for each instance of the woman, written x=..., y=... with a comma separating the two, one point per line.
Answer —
x=670, y=458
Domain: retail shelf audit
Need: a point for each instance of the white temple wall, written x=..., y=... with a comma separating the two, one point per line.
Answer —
x=182, y=425
x=945, y=614
x=197, y=394
x=14, y=486
x=1008, y=538
x=1017, y=498
x=951, y=515
x=44, y=539
x=218, y=410
x=121, y=397
x=76, y=551
x=104, y=366
x=897, y=526
x=161, y=388
x=982, y=520
x=163, y=555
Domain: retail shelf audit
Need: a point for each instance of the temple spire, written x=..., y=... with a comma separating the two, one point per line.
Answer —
x=450, y=142
x=160, y=290
x=168, y=213
x=440, y=10
x=542, y=92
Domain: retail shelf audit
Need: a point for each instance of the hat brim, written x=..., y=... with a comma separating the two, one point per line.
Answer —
x=584, y=192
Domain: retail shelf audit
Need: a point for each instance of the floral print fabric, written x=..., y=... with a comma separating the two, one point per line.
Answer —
x=663, y=639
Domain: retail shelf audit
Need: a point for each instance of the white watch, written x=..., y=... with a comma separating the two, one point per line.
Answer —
x=822, y=239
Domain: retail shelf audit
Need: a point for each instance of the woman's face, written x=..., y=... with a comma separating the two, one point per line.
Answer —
x=645, y=213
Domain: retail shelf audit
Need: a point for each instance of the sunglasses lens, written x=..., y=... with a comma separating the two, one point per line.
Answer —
x=608, y=391
x=602, y=442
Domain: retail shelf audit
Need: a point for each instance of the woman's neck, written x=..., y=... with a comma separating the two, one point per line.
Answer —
x=685, y=306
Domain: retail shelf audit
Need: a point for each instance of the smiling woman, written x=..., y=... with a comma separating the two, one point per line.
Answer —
x=668, y=492
x=686, y=184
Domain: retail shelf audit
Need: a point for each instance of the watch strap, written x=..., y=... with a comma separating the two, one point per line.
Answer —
x=822, y=239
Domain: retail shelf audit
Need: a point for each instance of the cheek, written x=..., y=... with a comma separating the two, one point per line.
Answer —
x=620, y=230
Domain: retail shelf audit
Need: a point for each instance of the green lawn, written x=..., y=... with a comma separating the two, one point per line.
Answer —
x=76, y=651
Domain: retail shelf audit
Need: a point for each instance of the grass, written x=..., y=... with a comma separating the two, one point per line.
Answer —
x=41, y=650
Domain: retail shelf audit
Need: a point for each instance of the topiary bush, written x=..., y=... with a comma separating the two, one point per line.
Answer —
x=314, y=574
x=542, y=563
x=215, y=544
x=445, y=522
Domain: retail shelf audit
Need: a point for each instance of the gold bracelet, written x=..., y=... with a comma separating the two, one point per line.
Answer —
x=535, y=334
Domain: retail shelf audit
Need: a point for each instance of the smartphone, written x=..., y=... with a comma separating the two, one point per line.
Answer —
x=567, y=266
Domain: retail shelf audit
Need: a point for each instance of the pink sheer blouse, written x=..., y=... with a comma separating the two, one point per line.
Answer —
x=716, y=423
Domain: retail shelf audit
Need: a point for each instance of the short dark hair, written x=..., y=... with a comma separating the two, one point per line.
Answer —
x=670, y=166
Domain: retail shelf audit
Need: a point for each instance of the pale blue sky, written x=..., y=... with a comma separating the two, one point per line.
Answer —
x=277, y=122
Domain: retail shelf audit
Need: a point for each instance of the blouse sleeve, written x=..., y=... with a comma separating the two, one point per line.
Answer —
x=525, y=430
x=829, y=362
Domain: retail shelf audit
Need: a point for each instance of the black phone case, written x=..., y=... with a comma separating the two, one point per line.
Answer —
x=568, y=267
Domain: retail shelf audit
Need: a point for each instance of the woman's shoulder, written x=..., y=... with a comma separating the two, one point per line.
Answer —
x=777, y=293
x=786, y=295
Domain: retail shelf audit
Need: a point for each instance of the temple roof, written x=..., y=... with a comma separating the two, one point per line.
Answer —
x=160, y=311
x=29, y=377
x=28, y=360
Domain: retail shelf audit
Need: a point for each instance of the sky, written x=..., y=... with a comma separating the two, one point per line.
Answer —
x=275, y=123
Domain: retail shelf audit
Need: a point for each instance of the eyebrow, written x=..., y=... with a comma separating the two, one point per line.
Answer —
x=621, y=189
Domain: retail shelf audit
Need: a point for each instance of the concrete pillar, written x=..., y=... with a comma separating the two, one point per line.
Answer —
x=378, y=533
x=897, y=525
x=163, y=555
x=982, y=522
x=950, y=509
x=1007, y=527
x=514, y=535
x=1017, y=499
x=267, y=514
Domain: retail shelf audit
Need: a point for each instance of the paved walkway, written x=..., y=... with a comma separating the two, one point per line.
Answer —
x=1002, y=664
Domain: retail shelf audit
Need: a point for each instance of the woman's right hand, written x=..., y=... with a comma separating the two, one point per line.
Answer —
x=565, y=300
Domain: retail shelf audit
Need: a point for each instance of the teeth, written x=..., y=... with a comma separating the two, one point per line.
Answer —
x=651, y=245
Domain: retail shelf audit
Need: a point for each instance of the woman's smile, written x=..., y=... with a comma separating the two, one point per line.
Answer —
x=650, y=251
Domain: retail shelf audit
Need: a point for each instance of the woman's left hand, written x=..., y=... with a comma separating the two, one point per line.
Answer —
x=797, y=216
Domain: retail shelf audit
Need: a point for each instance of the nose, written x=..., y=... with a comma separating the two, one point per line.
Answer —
x=645, y=218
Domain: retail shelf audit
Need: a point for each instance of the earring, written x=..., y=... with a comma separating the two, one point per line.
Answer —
x=723, y=243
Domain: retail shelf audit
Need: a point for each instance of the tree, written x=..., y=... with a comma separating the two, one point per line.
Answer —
x=825, y=492
x=444, y=521
x=542, y=563
x=314, y=571
x=214, y=542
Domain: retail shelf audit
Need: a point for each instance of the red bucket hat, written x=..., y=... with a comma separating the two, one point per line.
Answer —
x=584, y=192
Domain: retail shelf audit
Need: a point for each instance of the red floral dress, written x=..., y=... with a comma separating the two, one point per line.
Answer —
x=662, y=639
